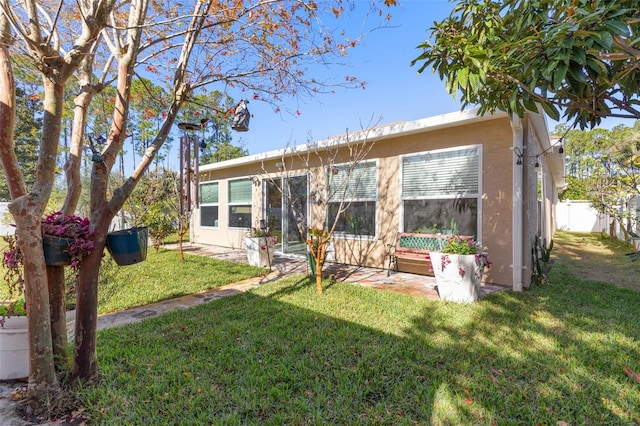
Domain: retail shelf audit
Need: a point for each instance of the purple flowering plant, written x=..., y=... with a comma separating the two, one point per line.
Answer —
x=73, y=227
x=55, y=224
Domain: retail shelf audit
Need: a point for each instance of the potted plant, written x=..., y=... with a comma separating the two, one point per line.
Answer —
x=458, y=269
x=14, y=339
x=259, y=245
x=128, y=246
x=67, y=239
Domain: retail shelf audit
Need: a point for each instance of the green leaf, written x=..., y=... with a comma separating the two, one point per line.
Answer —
x=463, y=78
x=559, y=74
x=577, y=73
x=605, y=40
x=547, y=72
x=618, y=27
x=596, y=65
x=529, y=103
x=474, y=82
x=578, y=55
x=551, y=110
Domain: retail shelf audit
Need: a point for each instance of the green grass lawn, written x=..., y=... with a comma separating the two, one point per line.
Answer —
x=163, y=276
x=283, y=355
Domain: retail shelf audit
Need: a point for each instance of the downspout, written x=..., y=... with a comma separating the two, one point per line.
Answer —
x=517, y=203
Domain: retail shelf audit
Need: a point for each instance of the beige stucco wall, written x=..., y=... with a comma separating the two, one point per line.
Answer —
x=495, y=137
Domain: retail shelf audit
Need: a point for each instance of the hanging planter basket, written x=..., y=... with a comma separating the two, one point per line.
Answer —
x=128, y=246
x=56, y=250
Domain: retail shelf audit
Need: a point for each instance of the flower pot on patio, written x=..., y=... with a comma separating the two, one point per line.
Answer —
x=128, y=246
x=260, y=250
x=458, y=276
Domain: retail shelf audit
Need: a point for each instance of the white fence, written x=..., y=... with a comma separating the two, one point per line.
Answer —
x=580, y=216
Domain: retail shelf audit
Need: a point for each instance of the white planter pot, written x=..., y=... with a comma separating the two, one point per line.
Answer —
x=14, y=346
x=458, y=276
x=14, y=349
x=260, y=250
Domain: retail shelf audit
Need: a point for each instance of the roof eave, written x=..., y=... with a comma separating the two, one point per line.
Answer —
x=387, y=131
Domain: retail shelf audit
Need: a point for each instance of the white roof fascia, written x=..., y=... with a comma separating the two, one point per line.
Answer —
x=387, y=131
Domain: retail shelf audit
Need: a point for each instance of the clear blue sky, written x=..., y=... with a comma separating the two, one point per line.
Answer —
x=394, y=91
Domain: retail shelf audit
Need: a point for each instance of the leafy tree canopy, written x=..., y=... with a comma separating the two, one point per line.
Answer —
x=27, y=140
x=603, y=166
x=580, y=58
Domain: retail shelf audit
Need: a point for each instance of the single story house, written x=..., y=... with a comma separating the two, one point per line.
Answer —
x=495, y=177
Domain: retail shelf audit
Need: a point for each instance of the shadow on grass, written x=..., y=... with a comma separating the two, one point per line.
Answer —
x=283, y=355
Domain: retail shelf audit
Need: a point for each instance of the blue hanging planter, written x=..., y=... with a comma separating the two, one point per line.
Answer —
x=128, y=246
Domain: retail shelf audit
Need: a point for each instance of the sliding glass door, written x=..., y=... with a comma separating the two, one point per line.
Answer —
x=287, y=208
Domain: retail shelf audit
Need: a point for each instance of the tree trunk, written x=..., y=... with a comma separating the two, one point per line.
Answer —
x=27, y=211
x=43, y=381
x=58, y=311
x=85, y=358
x=319, y=258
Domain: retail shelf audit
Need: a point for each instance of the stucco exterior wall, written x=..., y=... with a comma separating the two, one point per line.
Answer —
x=494, y=137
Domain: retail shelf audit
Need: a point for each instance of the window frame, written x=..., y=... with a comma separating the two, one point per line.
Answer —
x=242, y=203
x=205, y=204
x=357, y=199
x=469, y=195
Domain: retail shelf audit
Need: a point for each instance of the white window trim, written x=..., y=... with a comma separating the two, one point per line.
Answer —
x=401, y=197
x=374, y=237
x=209, y=204
x=230, y=204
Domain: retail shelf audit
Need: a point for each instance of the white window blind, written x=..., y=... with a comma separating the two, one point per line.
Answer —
x=240, y=191
x=437, y=174
x=360, y=184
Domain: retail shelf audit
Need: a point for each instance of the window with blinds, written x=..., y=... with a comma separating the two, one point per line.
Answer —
x=240, y=191
x=354, y=182
x=357, y=185
x=209, y=204
x=441, y=174
x=441, y=190
x=240, y=199
x=209, y=193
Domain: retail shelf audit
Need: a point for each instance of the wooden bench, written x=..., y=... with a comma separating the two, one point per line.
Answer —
x=411, y=252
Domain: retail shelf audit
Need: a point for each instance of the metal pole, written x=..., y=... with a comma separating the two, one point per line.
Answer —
x=182, y=173
x=187, y=147
x=185, y=165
